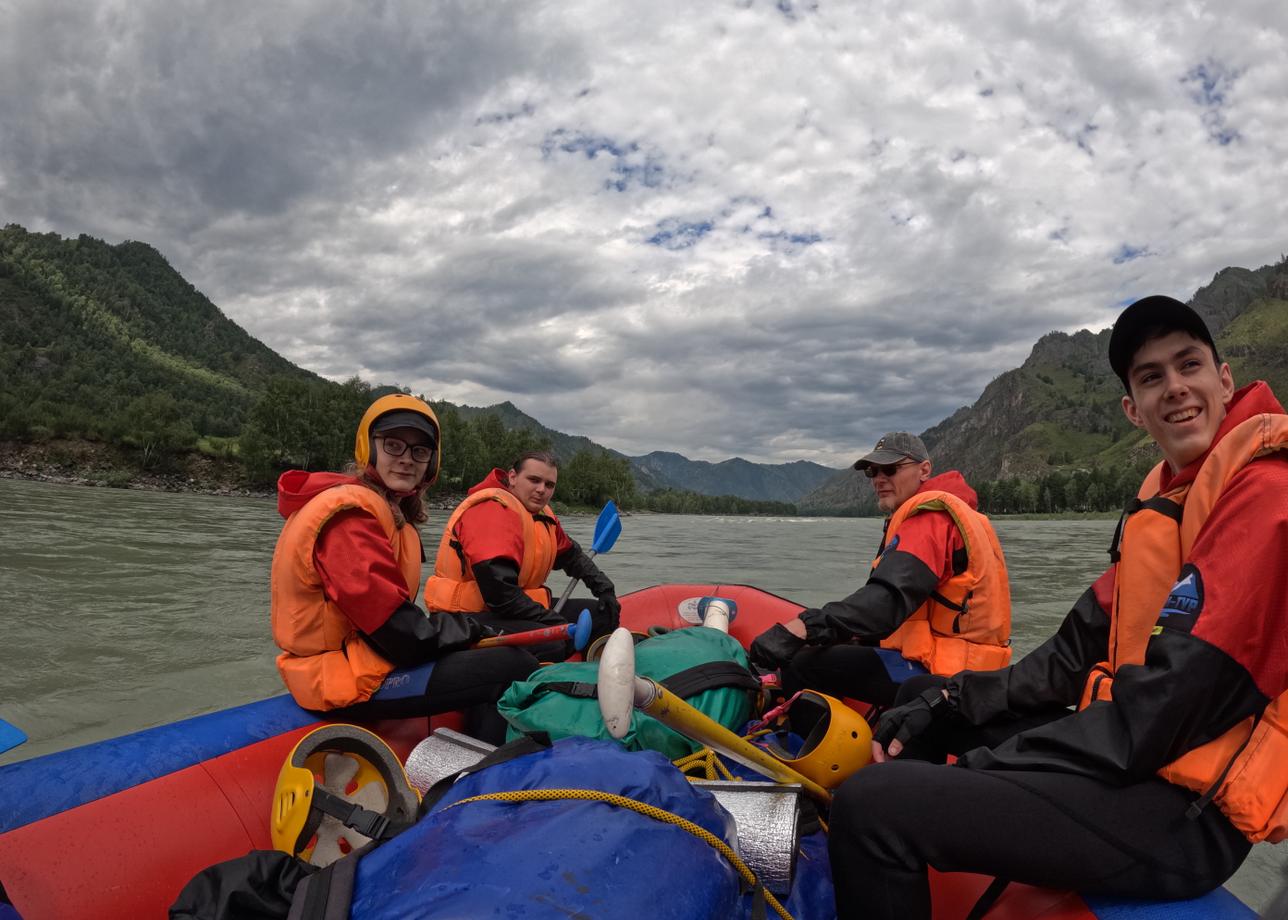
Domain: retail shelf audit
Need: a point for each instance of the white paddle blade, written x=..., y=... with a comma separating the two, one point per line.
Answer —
x=617, y=682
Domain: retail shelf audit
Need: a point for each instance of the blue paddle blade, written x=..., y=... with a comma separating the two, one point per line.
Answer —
x=10, y=736
x=607, y=528
x=581, y=632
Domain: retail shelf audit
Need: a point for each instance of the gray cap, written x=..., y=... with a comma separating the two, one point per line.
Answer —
x=893, y=447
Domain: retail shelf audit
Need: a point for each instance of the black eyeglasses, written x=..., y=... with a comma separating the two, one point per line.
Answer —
x=885, y=469
x=421, y=453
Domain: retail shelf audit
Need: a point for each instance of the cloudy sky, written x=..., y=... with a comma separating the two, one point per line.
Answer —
x=770, y=230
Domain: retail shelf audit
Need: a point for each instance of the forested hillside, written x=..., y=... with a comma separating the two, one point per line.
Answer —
x=110, y=343
x=119, y=366
x=1050, y=435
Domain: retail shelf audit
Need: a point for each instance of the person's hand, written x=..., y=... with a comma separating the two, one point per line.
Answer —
x=898, y=726
x=606, y=616
x=776, y=646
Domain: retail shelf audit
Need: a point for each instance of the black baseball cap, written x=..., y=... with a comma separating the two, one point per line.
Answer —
x=1148, y=318
x=402, y=418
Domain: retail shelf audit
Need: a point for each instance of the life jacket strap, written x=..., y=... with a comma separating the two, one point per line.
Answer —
x=1202, y=802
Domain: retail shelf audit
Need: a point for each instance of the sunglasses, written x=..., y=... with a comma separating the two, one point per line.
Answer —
x=885, y=469
x=421, y=453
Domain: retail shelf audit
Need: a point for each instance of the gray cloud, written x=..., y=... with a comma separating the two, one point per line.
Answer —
x=767, y=230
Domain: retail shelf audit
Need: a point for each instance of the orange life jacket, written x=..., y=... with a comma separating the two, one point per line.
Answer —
x=325, y=662
x=1244, y=770
x=966, y=622
x=452, y=587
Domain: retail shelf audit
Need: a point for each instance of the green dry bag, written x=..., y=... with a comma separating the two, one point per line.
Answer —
x=703, y=666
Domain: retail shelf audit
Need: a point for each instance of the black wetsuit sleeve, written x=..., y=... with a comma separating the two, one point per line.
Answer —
x=899, y=585
x=1052, y=674
x=1159, y=710
x=410, y=637
x=498, y=581
x=576, y=563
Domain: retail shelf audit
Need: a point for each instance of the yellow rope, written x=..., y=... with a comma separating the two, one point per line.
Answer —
x=649, y=811
x=707, y=761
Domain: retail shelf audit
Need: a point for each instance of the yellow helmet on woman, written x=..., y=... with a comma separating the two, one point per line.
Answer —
x=398, y=410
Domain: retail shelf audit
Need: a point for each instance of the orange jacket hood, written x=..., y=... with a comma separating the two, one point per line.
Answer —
x=296, y=487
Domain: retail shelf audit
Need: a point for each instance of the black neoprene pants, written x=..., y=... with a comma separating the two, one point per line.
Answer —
x=471, y=681
x=889, y=821
x=842, y=670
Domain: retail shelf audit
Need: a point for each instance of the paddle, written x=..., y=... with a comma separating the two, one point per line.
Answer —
x=579, y=632
x=10, y=736
x=621, y=690
x=607, y=529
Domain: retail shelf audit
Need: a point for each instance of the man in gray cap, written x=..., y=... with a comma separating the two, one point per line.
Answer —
x=937, y=599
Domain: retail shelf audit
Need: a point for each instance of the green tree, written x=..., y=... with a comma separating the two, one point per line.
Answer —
x=157, y=426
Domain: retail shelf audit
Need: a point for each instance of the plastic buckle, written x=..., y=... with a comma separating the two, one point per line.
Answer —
x=368, y=823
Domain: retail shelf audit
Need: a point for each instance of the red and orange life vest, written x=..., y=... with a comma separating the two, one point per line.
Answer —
x=325, y=663
x=1244, y=770
x=452, y=587
x=966, y=623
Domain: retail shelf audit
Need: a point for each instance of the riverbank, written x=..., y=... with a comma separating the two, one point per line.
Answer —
x=93, y=463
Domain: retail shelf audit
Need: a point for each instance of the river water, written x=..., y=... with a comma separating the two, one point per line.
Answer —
x=128, y=609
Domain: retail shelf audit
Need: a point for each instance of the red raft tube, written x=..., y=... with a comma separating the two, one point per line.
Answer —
x=116, y=828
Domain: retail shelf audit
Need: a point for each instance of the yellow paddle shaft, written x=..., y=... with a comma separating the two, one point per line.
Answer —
x=675, y=713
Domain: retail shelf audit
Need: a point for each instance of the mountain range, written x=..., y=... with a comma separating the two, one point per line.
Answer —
x=89, y=332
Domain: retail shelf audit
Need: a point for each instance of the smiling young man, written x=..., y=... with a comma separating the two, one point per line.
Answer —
x=937, y=599
x=1176, y=661
x=499, y=547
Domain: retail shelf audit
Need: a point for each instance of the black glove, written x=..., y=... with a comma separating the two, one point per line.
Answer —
x=912, y=719
x=606, y=617
x=775, y=647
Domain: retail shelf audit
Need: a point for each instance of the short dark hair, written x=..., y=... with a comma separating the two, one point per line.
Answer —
x=541, y=456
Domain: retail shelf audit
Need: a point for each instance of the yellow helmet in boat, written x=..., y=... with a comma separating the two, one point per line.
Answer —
x=340, y=787
x=398, y=410
x=838, y=741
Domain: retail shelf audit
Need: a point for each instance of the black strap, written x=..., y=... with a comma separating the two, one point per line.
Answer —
x=328, y=893
x=1158, y=504
x=684, y=684
x=708, y=676
x=1197, y=806
x=460, y=554
x=940, y=599
x=580, y=689
x=988, y=898
x=526, y=744
x=366, y=822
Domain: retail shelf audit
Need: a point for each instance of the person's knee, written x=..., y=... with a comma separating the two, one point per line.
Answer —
x=876, y=796
x=505, y=665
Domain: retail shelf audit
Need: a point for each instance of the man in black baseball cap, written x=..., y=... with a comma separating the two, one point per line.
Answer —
x=938, y=555
x=1137, y=728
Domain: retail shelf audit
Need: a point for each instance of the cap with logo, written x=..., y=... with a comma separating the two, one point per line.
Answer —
x=894, y=447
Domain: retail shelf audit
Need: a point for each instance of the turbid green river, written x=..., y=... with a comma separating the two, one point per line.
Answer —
x=128, y=609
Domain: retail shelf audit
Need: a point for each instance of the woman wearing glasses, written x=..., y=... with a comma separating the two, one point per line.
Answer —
x=345, y=575
x=937, y=600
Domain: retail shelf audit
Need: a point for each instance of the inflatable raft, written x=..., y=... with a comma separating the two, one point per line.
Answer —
x=115, y=829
